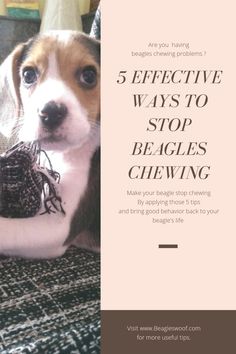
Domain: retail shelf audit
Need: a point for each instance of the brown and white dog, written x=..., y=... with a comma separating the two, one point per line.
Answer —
x=54, y=80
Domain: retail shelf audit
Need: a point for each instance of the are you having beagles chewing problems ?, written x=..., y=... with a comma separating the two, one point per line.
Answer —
x=169, y=102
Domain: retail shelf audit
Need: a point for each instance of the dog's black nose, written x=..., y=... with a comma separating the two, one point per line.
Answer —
x=53, y=114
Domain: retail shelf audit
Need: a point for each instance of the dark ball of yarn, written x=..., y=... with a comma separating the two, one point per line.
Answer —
x=24, y=184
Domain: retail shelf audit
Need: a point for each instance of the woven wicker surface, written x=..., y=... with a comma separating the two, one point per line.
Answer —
x=50, y=306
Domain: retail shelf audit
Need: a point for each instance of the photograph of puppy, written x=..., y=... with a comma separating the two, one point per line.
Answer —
x=54, y=81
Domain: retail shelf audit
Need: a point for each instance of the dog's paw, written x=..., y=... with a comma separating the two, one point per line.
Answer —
x=40, y=253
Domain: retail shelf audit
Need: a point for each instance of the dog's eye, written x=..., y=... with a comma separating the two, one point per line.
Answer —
x=87, y=77
x=29, y=75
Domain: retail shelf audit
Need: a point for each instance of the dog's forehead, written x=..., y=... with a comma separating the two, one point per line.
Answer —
x=69, y=46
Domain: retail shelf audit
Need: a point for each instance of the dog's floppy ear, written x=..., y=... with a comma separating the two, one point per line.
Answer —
x=10, y=103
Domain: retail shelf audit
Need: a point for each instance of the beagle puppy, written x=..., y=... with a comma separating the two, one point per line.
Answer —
x=53, y=81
